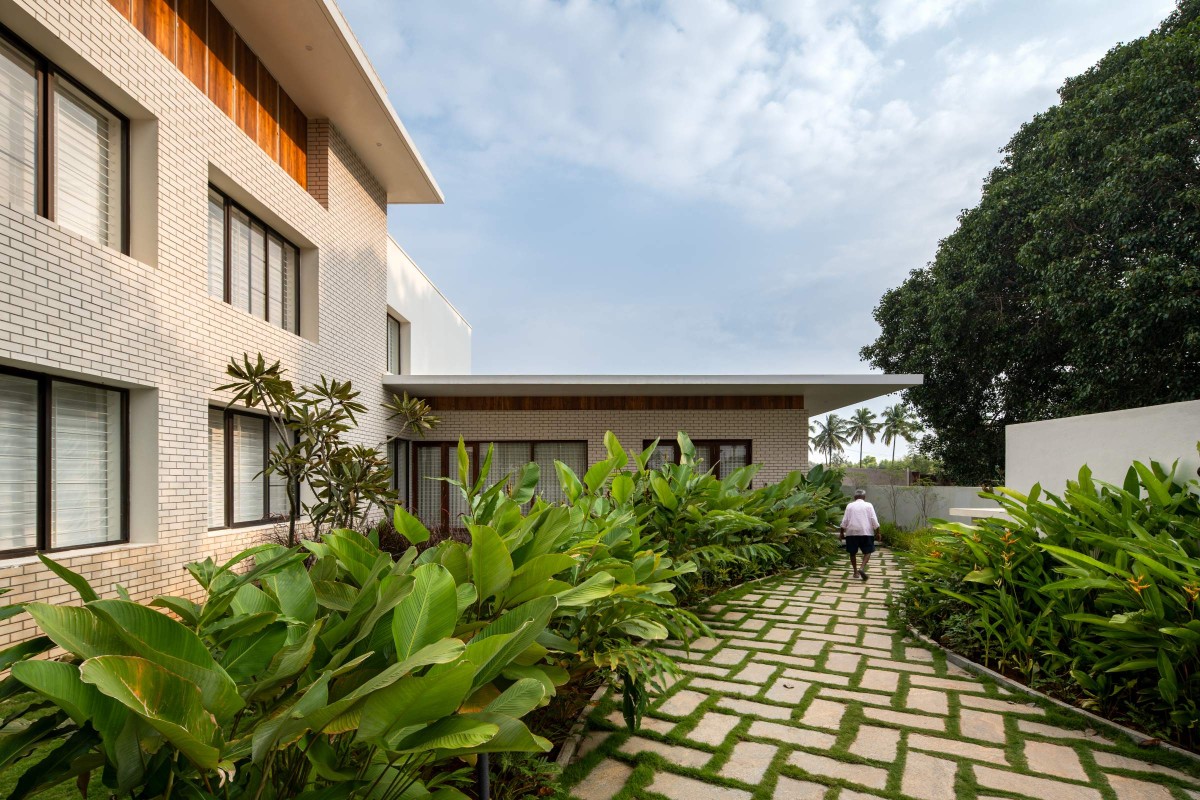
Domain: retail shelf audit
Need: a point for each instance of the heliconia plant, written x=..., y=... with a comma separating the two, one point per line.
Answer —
x=1094, y=594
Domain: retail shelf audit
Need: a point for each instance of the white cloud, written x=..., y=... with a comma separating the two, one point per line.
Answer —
x=901, y=18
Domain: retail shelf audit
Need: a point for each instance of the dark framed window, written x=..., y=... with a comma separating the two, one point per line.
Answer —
x=239, y=491
x=250, y=266
x=64, y=464
x=394, y=359
x=64, y=152
x=722, y=456
x=437, y=503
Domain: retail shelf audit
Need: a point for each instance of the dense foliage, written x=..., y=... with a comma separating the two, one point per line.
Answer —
x=1094, y=595
x=1074, y=285
x=339, y=670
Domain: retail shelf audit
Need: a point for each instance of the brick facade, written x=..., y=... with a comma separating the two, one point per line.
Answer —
x=146, y=322
x=779, y=438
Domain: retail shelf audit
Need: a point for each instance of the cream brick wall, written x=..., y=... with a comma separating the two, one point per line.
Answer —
x=71, y=308
x=779, y=438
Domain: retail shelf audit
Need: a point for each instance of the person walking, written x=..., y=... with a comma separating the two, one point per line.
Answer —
x=859, y=529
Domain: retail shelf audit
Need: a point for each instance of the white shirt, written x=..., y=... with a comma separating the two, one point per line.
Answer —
x=860, y=519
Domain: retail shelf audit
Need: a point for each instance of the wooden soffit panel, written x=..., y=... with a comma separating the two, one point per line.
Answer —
x=621, y=403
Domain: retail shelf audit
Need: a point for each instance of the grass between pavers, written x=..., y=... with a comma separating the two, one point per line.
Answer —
x=853, y=718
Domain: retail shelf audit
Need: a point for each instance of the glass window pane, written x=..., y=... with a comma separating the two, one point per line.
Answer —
x=249, y=497
x=663, y=454
x=573, y=454
x=393, y=345
x=18, y=130
x=216, y=245
x=87, y=167
x=399, y=462
x=429, y=491
x=275, y=280
x=279, y=499
x=18, y=462
x=258, y=271
x=291, y=288
x=733, y=457
x=85, y=464
x=216, y=468
x=704, y=460
x=239, y=259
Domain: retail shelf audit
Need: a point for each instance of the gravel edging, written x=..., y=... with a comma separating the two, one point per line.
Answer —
x=1141, y=739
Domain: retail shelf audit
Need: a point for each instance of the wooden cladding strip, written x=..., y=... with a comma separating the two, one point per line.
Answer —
x=206, y=48
x=621, y=403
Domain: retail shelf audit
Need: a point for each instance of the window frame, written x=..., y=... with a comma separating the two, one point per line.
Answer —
x=476, y=456
x=47, y=73
x=45, y=467
x=228, y=467
x=711, y=443
x=399, y=354
x=401, y=452
x=227, y=262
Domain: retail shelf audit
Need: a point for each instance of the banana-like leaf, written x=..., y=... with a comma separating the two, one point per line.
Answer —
x=490, y=562
x=511, y=736
x=183, y=608
x=250, y=654
x=173, y=646
x=168, y=703
x=72, y=758
x=464, y=595
x=525, y=483
x=594, y=588
x=569, y=481
x=292, y=589
x=428, y=613
x=519, y=699
x=449, y=733
x=77, y=630
x=27, y=649
x=336, y=595
x=538, y=570
x=408, y=526
x=415, y=701
x=622, y=488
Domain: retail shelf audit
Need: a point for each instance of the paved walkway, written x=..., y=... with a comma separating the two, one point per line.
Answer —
x=806, y=694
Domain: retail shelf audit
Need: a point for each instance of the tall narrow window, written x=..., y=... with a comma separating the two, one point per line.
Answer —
x=250, y=266
x=87, y=166
x=73, y=437
x=720, y=456
x=249, y=460
x=216, y=245
x=18, y=463
x=62, y=151
x=393, y=345
x=18, y=130
x=398, y=457
x=277, y=485
x=573, y=454
x=86, y=430
x=216, y=468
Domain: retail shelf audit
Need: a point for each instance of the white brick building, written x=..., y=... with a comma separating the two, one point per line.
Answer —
x=187, y=180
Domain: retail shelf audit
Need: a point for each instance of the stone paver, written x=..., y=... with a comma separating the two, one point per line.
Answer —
x=780, y=683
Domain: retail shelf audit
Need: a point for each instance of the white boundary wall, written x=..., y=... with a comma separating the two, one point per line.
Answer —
x=912, y=506
x=1051, y=452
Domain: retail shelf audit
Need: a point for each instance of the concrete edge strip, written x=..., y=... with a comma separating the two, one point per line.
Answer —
x=1141, y=739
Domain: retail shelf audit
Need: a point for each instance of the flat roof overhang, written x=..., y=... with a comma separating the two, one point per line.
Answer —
x=820, y=393
x=309, y=48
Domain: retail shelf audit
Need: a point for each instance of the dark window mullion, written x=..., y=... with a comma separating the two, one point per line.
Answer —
x=266, y=459
x=228, y=469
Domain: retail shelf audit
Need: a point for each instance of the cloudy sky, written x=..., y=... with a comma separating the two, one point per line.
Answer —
x=705, y=186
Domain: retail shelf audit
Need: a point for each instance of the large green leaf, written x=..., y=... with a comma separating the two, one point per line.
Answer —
x=292, y=588
x=494, y=647
x=171, y=645
x=537, y=570
x=428, y=613
x=168, y=703
x=569, y=481
x=490, y=562
x=408, y=526
x=79, y=631
x=594, y=588
x=519, y=699
x=415, y=701
x=250, y=654
x=23, y=650
x=511, y=736
x=448, y=733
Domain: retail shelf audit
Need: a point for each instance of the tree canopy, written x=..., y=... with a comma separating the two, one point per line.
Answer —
x=1074, y=286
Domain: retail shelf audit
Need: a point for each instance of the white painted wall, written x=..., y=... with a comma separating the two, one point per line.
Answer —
x=913, y=506
x=437, y=339
x=1051, y=452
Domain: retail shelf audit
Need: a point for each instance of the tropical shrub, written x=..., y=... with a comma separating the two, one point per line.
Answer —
x=1092, y=594
x=353, y=678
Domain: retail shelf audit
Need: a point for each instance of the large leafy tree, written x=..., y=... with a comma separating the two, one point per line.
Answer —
x=1074, y=286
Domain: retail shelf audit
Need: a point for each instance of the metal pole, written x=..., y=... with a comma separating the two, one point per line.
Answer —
x=482, y=777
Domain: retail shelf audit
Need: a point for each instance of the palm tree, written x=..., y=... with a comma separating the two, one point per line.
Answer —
x=830, y=436
x=898, y=422
x=862, y=426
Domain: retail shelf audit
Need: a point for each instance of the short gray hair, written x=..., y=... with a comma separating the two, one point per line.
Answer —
x=860, y=494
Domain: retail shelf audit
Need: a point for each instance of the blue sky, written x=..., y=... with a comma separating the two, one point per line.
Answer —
x=703, y=186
